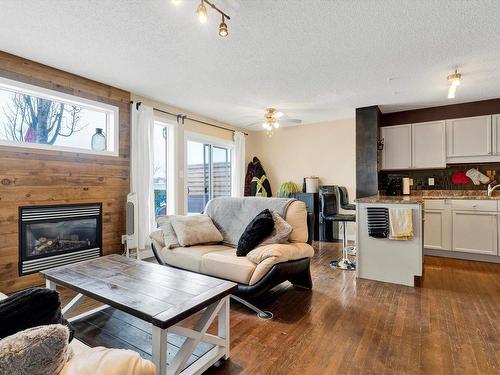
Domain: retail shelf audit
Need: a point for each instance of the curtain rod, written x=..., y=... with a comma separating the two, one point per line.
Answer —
x=181, y=118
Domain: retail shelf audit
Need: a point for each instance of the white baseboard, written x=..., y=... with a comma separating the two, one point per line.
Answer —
x=463, y=256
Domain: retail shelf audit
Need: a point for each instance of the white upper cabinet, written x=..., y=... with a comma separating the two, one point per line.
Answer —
x=469, y=139
x=396, y=153
x=495, y=134
x=429, y=145
x=421, y=145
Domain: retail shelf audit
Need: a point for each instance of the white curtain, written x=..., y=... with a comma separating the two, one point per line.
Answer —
x=141, y=174
x=239, y=164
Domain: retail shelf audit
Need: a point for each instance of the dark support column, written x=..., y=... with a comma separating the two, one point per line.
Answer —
x=367, y=130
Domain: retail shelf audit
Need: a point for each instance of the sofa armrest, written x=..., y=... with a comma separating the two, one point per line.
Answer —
x=157, y=239
x=104, y=361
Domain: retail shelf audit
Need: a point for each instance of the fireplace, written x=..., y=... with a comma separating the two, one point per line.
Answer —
x=51, y=236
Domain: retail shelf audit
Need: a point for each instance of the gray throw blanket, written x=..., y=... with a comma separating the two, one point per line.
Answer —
x=232, y=215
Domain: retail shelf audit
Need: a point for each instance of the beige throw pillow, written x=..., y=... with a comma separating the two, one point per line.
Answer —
x=195, y=230
x=280, y=233
x=169, y=236
x=41, y=350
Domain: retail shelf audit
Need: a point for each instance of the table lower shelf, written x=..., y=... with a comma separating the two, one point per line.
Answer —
x=113, y=328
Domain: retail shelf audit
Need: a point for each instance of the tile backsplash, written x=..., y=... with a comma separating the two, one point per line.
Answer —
x=442, y=177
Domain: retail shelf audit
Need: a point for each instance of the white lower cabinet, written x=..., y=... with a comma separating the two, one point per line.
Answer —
x=466, y=226
x=437, y=225
x=475, y=232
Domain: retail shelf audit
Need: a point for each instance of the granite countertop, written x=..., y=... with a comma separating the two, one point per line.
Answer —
x=418, y=197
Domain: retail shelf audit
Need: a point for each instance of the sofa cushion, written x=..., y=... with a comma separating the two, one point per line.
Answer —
x=30, y=308
x=296, y=216
x=225, y=264
x=103, y=361
x=280, y=233
x=195, y=230
x=231, y=215
x=169, y=237
x=188, y=258
x=257, y=230
x=41, y=350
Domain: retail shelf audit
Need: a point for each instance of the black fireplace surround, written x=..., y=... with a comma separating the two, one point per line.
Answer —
x=51, y=236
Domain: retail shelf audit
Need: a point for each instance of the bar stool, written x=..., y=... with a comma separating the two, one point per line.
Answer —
x=345, y=205
x=330, y=212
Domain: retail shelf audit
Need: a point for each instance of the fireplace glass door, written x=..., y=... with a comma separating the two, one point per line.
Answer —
x=59, y=236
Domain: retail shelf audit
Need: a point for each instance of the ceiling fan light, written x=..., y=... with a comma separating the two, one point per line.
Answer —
x=276, y=125
x=451, y=92
x=278, y=114
x=202, y=12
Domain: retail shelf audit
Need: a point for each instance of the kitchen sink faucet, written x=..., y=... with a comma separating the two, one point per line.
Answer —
x=491, y=188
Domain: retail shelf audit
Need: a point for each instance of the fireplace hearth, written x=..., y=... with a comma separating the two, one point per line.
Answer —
x=51, y=236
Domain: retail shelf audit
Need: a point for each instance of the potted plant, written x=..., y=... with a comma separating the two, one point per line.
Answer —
x=287, y=189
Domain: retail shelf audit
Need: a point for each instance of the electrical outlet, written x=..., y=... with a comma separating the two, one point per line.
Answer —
x=431, y=181
x=124, y=239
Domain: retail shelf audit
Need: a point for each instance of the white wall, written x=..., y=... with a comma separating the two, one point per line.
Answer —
x=326, y=150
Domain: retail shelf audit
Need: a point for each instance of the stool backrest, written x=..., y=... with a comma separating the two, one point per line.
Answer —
x=329, y=205
x=343, y=196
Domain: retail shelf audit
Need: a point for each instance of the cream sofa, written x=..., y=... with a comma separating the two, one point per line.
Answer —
x=262, y=269
x=103, y=361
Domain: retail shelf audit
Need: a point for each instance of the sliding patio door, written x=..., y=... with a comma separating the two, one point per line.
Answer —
x=208, y=173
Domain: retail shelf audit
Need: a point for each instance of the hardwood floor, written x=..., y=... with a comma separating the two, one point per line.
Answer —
x=450, y=325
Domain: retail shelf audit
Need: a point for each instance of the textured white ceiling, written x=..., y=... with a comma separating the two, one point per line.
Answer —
x=314, y=59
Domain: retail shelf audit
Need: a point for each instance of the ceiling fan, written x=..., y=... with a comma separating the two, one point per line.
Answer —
x=273, y=120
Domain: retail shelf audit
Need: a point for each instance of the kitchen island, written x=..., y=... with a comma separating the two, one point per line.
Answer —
x=457, y=224
x=382, y=259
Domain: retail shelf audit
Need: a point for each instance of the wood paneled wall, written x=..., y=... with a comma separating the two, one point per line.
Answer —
x=30, y=177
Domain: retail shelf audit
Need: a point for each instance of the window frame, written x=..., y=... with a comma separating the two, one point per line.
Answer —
x=205, y=139
x=111, y=111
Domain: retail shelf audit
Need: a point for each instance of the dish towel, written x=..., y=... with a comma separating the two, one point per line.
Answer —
x=400, y=224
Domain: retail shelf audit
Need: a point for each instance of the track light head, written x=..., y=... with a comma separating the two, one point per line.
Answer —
x=202, y=12
x=223, y=28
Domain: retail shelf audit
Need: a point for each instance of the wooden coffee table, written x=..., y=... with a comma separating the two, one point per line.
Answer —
x=160, y=295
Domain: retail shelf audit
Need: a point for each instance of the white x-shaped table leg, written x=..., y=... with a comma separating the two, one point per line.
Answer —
x=193, y=337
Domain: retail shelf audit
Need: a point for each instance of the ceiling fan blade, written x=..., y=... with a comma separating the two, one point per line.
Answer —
x=253, y=125
x=279, y=114
x=292, y=120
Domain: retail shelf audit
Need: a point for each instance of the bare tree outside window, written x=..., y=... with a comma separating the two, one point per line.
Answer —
x=37, y=120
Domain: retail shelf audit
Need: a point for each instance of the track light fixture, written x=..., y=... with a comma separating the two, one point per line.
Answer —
x=201, y=11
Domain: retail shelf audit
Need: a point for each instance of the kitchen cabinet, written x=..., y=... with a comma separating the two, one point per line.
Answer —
x=437, y=225
x=469, y=139
x=495, y=130
x=414, y=146
x=475, y=232
x=397, y=147
x=429, y=145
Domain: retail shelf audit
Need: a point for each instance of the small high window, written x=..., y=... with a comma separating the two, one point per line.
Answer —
x=35, y=117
